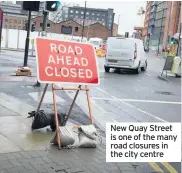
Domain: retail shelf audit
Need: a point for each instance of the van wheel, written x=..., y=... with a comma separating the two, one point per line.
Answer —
x=137, y=70
x=106, y=69
x=145, y=67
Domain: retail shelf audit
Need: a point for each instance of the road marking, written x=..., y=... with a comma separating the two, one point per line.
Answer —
x=100, y=108
x=149, y=114
x=156, y=167
x=115, y=121
x=135, y=100
x=169, y=167
x=147, y=74
x=105, y=92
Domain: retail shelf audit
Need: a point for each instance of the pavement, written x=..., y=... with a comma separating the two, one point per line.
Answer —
x=121, y=97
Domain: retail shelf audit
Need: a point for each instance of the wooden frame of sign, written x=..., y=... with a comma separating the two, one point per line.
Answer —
x=55, y=88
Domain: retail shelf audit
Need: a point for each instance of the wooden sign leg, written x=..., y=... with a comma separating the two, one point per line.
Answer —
x=89, y=104
x=42, y=97
x=56, y=117
x=73, y=102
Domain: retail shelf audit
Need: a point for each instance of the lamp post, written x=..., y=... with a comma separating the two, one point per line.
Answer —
x=84, y=20
x=88, y=32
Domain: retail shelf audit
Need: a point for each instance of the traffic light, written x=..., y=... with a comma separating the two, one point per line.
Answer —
x=31, y=5
x=172, y=40
x=33, y=27
x=52, y=5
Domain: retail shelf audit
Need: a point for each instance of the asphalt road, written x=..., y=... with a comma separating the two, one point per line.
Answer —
x=125, y=97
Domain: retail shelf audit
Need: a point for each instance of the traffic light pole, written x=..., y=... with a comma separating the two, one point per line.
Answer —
x=27, y=40
x=43, y=34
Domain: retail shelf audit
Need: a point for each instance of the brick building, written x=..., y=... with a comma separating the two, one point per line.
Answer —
x=70, y=27
x=115, y=30
x=14, y=22
x=162, y=20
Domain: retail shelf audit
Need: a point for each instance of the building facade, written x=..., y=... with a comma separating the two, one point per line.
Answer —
x=14, y=21
x=103, y=16
x=115, y=30
x=147, y=19
x=13, y=15
x=162, y=21
x=72, y=28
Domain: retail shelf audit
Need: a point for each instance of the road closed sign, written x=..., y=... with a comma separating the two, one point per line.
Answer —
x=66, y=62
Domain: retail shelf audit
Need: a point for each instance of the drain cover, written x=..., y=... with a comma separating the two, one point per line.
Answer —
x=164, y=92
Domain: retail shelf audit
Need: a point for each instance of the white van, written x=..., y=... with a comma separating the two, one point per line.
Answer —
x=96, y=42
x=125, y=53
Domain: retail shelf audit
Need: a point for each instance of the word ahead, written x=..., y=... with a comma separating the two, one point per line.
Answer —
x=66, y=62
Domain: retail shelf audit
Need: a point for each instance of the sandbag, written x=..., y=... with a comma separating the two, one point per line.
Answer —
x=62, y=118
x=66, y=137
x=88, y=137
x=85, y=142
x=41, y=119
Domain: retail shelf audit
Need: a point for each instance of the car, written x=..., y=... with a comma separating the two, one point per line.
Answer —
x=125, y=53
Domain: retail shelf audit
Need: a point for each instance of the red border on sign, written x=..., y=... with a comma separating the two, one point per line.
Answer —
x=74, y=82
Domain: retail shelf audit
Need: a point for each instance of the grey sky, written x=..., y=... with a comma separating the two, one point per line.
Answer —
x=126, y=9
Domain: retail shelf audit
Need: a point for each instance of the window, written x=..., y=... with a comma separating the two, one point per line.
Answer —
x=48, y=25
x=103, y=19
x=66, y=16
x=71, y=11
x=66, y=29
x=71, y=16
x=87, y=13
x=6, y=20
x=19, y=21
x=10, y=26
x=98, y=14
x=15, y=21
x=93, y=14
x=40, y=24
x=76, y=29
x=82, y=12
x=5, y=26
x=110, y=16
x=97, y=19
x=76, y=17
x=19, y=27
x=10, y=21
x=87, y=17
x=76, y=12
x=81, y=17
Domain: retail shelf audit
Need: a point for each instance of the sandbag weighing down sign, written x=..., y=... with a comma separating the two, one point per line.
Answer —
x=66, y=62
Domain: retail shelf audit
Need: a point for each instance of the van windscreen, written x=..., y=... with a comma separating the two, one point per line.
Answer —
x=120, y=44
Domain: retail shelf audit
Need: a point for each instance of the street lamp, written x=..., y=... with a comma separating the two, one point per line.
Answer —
x=88, y=32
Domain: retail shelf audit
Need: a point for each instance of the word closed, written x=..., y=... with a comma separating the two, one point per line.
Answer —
x=66, y=62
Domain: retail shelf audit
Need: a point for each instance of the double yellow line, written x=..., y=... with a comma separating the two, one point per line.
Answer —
x=157, y=168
